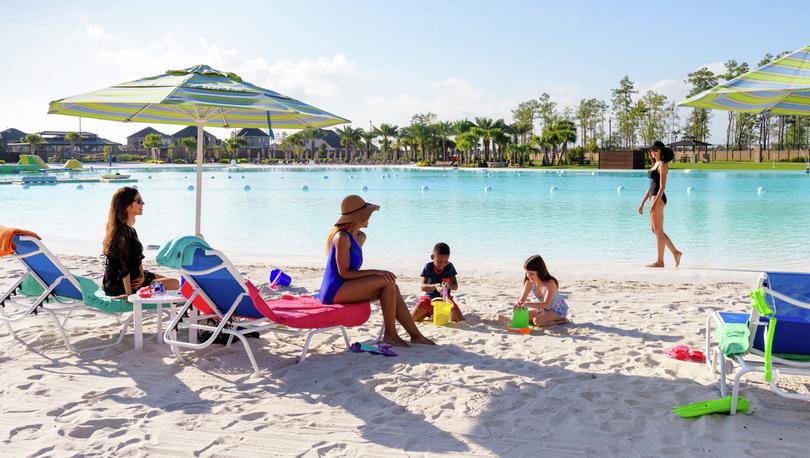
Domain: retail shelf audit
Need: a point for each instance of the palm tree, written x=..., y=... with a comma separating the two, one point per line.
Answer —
x=310, y=136
x=152, y=141
x=465, y=143
x=33, y=140
x=189, y=145
x=421, y=133
x=349, y=137
x=443, y=130
x=566, y=133
x=233, y=145
x=72, y=138
x=386, y=131
x=486, y=128
x=368, y=137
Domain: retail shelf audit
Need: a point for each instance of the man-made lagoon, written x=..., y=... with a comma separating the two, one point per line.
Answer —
x=489, y=217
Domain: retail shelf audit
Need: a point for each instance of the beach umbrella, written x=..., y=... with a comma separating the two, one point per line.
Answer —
x=197, y=96
x=781, y=87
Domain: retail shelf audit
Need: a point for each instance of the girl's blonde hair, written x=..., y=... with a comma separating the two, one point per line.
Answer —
x=335, y=229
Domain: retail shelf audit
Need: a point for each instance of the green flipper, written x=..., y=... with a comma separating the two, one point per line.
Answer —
x=713, y=406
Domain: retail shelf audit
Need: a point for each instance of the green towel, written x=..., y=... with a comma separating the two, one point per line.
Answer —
x=734, y=338
x=92, y=295
x=179, y=251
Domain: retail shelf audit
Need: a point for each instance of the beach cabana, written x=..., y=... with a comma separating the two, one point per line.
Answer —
x=696, y=146
x=196, y=96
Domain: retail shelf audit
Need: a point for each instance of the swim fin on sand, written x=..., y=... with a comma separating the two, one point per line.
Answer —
x=379, y=349
x=722, y=405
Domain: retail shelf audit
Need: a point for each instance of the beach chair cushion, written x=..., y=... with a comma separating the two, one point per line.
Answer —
x=303, y=312
x=307, y=312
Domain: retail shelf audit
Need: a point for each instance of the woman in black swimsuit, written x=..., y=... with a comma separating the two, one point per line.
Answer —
x=658, y=200
x=123, y=272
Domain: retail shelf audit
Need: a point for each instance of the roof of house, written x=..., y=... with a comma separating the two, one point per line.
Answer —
x=251, y=132
x=149, y=130
x=331, y=138
x=12, y=135
x=190, y=131
x=62, y=133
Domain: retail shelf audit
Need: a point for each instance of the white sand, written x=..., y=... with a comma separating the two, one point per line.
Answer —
x=601, y=386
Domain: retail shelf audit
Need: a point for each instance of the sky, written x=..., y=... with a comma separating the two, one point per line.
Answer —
x=381, y=61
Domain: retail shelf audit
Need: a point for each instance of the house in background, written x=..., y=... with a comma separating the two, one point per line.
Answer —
x=135, y=141
x=210, y=142
x=257, y=143
x=55, y=145
x=10, y=135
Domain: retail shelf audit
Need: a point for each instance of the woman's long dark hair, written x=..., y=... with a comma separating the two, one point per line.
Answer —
x=117, y=215
x=536, y=264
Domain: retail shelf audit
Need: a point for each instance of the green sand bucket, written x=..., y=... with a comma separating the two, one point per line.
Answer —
x=520, y=318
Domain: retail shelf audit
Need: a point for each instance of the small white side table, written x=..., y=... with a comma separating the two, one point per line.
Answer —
x=170, y=298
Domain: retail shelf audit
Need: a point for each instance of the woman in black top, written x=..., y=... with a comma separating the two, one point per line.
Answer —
x=123, y=272
x=658, y=200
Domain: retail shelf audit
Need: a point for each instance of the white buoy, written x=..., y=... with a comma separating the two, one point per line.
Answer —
x=593, y=173
x=389, y=175
x=518, y=173
x=351, y=177
x=383, y=177
x=80, y=187
x=444, y=175
x=326, y=177
x=229, y=177
x=487, y=188
x=305, y=188
x=553, y=188
x=760, y=189
x=149, y=177
x=243, y=177
x=687, y=171
x=190, y=188
x=364, y=188
x=246, y=188
x=212, y=177
x=26, y=187
x=425, y=188
x=186, y=177
x=689, y=189
x=619, y=188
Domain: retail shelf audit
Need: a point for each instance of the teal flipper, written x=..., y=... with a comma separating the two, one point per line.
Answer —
x=722, y=405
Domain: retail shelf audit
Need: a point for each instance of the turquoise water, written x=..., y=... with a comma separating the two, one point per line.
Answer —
x=722, y=222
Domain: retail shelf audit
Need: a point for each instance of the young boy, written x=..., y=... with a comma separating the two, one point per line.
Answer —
x=436, y=273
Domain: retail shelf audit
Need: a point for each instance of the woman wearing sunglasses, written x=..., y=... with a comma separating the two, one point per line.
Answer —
x=123, y=272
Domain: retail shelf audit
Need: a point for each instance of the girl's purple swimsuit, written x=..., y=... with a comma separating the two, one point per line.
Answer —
x=331, y=277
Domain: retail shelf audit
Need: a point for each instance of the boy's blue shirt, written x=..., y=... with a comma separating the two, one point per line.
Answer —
x=429, y=272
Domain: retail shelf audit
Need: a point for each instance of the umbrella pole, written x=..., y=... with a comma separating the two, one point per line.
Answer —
x=198, y=205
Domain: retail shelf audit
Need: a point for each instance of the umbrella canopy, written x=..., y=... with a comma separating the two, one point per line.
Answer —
x=781, y=87
x=200, y=96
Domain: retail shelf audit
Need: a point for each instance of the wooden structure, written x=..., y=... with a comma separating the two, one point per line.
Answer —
x=691, y=150
x=622, y=159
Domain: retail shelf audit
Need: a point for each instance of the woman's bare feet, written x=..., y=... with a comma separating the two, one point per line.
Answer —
x=395, y=340
x=656, y=264
x=678, y=255
x=422, y=340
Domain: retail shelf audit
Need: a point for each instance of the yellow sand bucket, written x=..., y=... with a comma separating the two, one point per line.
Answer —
x=441, y=311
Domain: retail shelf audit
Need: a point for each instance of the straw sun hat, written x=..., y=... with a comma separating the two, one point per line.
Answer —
x=354, y=209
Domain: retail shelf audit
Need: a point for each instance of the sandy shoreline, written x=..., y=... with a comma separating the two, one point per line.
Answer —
x=598, y=387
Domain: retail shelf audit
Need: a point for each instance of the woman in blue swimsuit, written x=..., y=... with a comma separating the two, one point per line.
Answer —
x=344, y=281
x=658, y=200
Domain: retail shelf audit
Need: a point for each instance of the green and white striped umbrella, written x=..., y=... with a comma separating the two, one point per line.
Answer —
x=197, y=96
x=781, y=87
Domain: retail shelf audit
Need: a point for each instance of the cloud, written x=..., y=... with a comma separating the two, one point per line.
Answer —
x=450, y=99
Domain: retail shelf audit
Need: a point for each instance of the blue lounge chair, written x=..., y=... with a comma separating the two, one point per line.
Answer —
x=61, y=292
x=222, y=294
x=781, y=310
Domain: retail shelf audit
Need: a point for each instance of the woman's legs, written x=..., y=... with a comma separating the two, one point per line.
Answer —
x=545, y=317
x=661, y=238
x=406, y=320
x=369, y=289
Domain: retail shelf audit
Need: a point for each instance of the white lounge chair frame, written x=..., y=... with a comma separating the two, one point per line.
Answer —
x=753, y=360
x=228, y=323
x=60, y=306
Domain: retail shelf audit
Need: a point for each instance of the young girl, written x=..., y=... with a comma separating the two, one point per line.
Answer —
x=550, y=307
